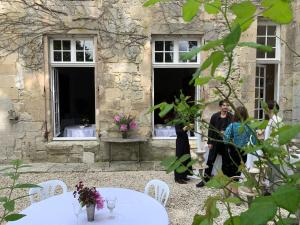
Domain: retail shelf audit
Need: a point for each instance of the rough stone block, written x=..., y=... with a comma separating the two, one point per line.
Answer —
x=88, y=157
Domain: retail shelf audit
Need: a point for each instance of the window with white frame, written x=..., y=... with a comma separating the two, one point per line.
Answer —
x=72, y=51
x=267, y=67
x=171, y=75
x=170, y=51
x=73, y=88
x=267, y=34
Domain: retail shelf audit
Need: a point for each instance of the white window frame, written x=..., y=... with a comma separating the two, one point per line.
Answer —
x=277, y=44
x=260, y=76
x=276, y=61
x=174, y=64
x=54, y=64
x=73, y=52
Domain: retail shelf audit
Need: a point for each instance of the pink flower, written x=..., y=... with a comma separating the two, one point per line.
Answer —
x=123, y=127
x=99, y=201
x=133, y=125
x=117, y=118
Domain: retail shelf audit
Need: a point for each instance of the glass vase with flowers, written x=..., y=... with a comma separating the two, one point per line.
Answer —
x=90, y=198
x=125, y=123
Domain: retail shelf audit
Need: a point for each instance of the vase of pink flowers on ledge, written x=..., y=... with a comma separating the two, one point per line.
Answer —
x=125, y=123
x=90, y=198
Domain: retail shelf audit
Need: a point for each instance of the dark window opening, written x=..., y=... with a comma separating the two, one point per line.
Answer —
x=76, y=97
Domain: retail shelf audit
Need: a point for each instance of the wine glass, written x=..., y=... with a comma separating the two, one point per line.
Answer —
x=76, y=209
x=111, y=204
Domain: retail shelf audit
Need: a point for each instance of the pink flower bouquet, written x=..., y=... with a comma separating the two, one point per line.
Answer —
x=125, y=123
x=88, y=196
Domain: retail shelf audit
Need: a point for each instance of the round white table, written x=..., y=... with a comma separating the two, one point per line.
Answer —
x=132, y=208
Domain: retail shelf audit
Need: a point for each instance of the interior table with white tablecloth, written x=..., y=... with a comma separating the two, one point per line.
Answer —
x=132, y=208
x=80, y=131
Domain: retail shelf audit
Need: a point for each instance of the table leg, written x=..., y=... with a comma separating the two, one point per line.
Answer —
x=110, y=154
x=138, y=155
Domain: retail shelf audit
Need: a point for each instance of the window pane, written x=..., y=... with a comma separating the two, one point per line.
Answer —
x=256, y=114
x=159, y=46
x=66, y=45
x=194, y=59
x=192, y=44
x=261, y=40
x=79, y=45
x=261, y=30
x=180, y=57
x=256, y=93
x=168, y=57
x=88, y=56
x=159, y=57
x=57, y=45
x=88, y=45
x=271, y=41
x=79, y=56
x=256, y=103
x=67, y=56
x=256, y=82
x=261, y=83
x=57, y=56
x=168, y=45
x=271, y=30
x=260, y=54
x=261, y=114
x=262, y=72
x=261, y=93
x=271, y=54
x=183, y=46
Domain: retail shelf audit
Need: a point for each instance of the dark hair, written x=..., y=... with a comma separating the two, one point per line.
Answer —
x=240, y=114
x=273, y=105
x=222, y=102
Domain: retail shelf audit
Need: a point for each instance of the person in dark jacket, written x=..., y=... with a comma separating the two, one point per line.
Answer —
x=217, y=125
x=182, y=148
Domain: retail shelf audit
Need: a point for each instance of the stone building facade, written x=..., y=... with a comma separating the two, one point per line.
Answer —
x=112, y=56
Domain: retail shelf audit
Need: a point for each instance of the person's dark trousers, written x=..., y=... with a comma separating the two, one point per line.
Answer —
x=218, y=148
x=233, y=157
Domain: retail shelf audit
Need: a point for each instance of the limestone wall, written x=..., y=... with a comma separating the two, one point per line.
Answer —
x=123, y=30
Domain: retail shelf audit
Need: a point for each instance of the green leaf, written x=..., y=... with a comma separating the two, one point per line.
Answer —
x=211, y=208
x=9, y=206
x=14, y=217
x=287, y=197
x=263, y=209
x=235, y=220
x=190, y=9
x=213, y=7
x=244, y=12
x=202, y=80
x=232, y=200
x=192, y=162
x=287, y=133
x=181, y=169
x=279, y=11
x=287, y=221
x=26, y=185
x=150, y=2
x=165, y=109
x=264, y=48
x=232, y=39
x=217, y=59
x=219, y=181
x=184, y=158
x=169, y=161
x=200, y=220
x=173, y=167
x=212, y=44
x=190, y=54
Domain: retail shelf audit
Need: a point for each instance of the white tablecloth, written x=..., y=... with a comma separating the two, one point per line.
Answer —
x=80, y=131
x=132, y=208
x=165, y=131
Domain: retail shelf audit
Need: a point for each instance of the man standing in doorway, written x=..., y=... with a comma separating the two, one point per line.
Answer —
x=217, y=125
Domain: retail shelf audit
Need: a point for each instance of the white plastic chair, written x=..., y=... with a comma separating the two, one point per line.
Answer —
x=161, y=189
x=46, y=190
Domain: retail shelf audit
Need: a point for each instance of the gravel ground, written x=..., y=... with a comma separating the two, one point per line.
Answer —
x=185, y=199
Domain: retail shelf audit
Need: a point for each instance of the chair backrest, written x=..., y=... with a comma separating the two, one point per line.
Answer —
x=161, y=190
x=46, y=190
